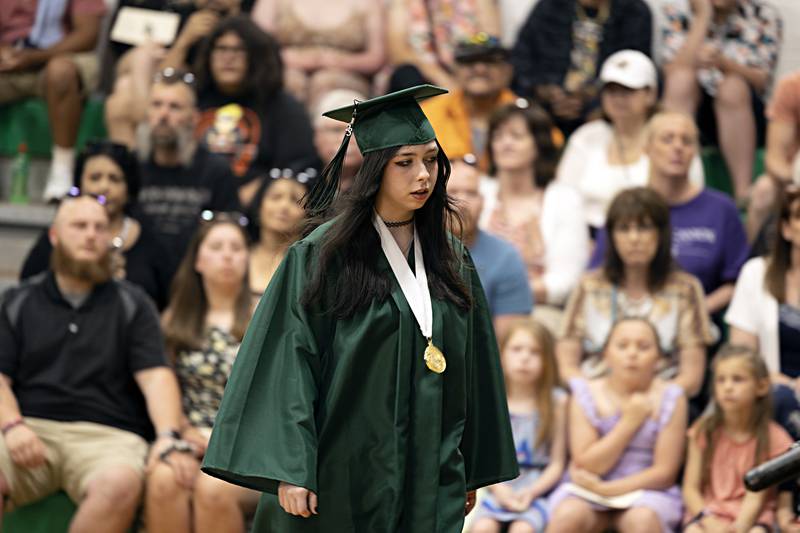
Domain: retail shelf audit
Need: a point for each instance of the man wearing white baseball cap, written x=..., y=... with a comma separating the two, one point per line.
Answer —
x=607, y=155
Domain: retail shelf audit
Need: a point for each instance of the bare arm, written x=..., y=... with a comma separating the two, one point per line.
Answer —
x=692, y=475
x=9, y=408
x=748, y=513
x=558, y=454
x=82, y=38
x=568, y=354
x=162, y=396
x=592, y=452
x=199, y=25
x=780, y=154
x=667, y=457
x=263, y=14
x=692, y=364
x=719, y=298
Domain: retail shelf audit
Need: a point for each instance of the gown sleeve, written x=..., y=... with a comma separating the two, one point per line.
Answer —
x=265, y=430
x=487, y=444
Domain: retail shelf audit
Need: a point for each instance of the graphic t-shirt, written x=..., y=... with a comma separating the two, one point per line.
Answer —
x=255, y=142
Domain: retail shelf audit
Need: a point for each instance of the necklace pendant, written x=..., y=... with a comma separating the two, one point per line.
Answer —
x=434, y=358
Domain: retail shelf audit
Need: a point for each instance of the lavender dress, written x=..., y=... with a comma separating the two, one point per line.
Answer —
x=638, y=456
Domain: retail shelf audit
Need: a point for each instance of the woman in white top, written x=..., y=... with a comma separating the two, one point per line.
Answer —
x=607, y=155
x=764, y=313
x=522, y=204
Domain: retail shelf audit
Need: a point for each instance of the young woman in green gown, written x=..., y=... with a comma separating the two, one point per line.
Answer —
x=367, y=396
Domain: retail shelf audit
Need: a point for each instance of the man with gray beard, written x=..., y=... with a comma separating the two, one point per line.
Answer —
x=179, y=178
x=84, y=382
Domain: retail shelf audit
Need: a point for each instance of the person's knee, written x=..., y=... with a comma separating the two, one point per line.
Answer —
x=61, y=75
x=211, y=494
x=732, y=91
x=569, y=516
x=162, y=485
x=119, y=486
x=485, y=525
x=640, y=520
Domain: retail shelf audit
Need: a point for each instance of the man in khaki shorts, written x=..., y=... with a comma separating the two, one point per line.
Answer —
x=47, y=50
x=83, y=381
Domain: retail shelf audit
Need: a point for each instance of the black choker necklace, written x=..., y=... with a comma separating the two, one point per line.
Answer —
x=398, y=224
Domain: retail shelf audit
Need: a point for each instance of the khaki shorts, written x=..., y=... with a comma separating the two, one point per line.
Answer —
x=19, y=85
x=76, y=451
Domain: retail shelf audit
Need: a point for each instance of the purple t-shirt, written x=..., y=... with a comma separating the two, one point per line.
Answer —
x=708, y=239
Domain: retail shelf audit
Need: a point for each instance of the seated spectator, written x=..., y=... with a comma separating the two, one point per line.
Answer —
x=638, y=278
x=708, y=238
x=179, y=178
x=561, y=46
x=276, y=222
x=719, y=57
x=626, y=437
x=109, y=170
x=607, y=155
x=244, y=113
x=126, y=106
x=543, y=219
x=461, y=117
x=423, y=35
x=328, y=134
x=208, y=314
x=538, y=410
x=82, y=378
x=47, y=50
x=734, y=435
x=499, y=265
x=765, y=310
x=781, y=158
x=326, y=45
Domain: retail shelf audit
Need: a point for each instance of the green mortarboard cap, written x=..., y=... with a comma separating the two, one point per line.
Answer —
x=394, y=119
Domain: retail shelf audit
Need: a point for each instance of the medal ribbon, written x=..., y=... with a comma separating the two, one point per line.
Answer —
x=414, y=285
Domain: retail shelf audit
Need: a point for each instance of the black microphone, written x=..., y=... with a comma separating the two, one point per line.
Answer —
x=774, y=471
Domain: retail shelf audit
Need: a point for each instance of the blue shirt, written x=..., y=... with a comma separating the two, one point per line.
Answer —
x=502, y=274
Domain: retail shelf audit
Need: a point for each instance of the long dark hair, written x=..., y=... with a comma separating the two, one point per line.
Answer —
x=121, y=156
x=264, y=78
x=540, y=127
x=186, y=316
x=780, y=260
x=353, y=245
x=639, y=205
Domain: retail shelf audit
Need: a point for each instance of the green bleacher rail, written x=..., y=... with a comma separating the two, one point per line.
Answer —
x=26, y=121
x=717, y=176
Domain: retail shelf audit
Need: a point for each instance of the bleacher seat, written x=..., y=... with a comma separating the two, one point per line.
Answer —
x=26, y=121
x=717, y=176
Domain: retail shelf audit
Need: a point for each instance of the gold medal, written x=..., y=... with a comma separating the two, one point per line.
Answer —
x=434, y=358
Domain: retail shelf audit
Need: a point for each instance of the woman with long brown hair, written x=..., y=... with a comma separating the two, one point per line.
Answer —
x=208, y=314
x=764, y=313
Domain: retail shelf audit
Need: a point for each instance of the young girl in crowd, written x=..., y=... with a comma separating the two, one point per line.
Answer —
x=538, y=421
x=734, y=436
x=626, y=437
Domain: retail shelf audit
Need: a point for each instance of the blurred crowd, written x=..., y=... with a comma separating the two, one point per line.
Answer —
x=649, y=325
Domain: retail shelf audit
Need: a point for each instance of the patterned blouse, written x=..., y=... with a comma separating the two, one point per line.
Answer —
x=751, y=36
x=202, y=375
x=435, y=26
x=677, y=312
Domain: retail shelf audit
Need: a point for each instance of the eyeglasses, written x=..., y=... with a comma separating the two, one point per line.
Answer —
x=172, y=75
x=234, y=217
x=75, y=192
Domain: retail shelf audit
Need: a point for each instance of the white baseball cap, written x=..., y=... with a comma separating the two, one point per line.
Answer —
x=629, y=68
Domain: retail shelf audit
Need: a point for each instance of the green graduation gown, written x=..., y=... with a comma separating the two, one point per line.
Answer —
x=348, y=410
